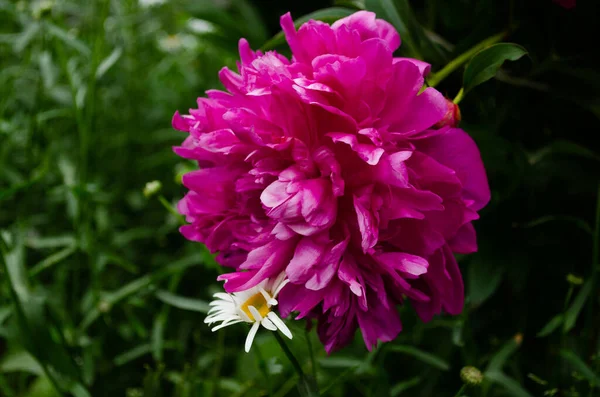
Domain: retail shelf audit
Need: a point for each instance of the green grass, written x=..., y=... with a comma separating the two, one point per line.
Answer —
x=100, y=295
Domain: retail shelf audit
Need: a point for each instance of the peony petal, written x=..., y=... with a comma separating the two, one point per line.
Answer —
x=422, y=112
x=424, y=67
x=308, y=254
x=367, y=152
x=367, y=222
x=179, y=123
x=411, y=265
x=368, y=27
x=456, y=150
x=465, y=240
x=405, y=83
x=379, y=323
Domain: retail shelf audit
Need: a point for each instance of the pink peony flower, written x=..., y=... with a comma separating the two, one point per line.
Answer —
x=332, y=167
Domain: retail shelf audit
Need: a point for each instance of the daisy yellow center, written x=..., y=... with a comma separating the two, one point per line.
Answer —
x=259, y=302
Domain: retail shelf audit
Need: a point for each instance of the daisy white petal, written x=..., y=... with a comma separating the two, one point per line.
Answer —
x=224, y=296
x=225, y=324
x=250, y=337
x=279, y=287
x=280, y=324
x=255, y=313
x=253, y=305
x=268, y=324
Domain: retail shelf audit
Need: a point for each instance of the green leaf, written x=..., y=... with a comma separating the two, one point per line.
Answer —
x=563, y=147
x=256, y=25
x=5, y=312
x=47, y=69
x=108, y=62
x=484, y=278
x=421, y=355
x=573, y=311
x=415, y=41
x=160, y=322
x=486, y=63
x=357, y=4
x=26, y=37
x=51, y=242
x=340, y=362
x=52, y=260
x=499, y=359
x=511, y=385
x=307, y=386
x=552, y=325
x=139, y=351
x=580, y=366
x=41, y=387
x=67, y=38
x=578, y=222
x=21, y=361
x=181, y=302
x=387, y=10
x=401, y=387
x=328, y=15
x=136, y=286
x=35, y=326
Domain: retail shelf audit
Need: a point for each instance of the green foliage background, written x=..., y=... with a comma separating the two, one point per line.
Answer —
x=101, y=296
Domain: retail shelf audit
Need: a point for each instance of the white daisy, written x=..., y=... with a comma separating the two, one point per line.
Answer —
x=250, y=306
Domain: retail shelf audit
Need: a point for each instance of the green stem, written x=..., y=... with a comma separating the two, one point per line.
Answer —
x=23, y=324
x=289, y=354
x=459, y=96
x=595, y=269
x=171, y=209
x=311, y=353
x=5, y=388
x=218, y=362
x=596, y=243
x=436, y=78
x=52, y=379
x=262, y=365
x=460, y=391
x=431, y=13
x=339, y=379
x=563, y=336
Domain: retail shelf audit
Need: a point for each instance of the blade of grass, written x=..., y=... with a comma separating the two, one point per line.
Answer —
x=581, y=367
x=181, y=302
x=421, y=355
x=51, y=260
x=136, y=286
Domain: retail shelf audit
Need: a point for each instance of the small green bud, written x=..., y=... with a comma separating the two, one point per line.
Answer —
x=183, y=168
x=573, y=279
x=103, y=306
x=41, y=8
x=537, y=379
x=471, y=376
x=134, y=392
x=518, y=338
x=152, y=188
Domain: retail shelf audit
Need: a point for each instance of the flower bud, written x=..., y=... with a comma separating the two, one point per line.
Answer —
x=41, y=8
x=573, y=279
x=518, y=338
x=452, y=116
x=471, y=376
x=103, y=306
x=152, y=188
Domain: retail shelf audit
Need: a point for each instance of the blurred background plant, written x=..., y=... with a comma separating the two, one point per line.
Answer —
x=100, y=295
